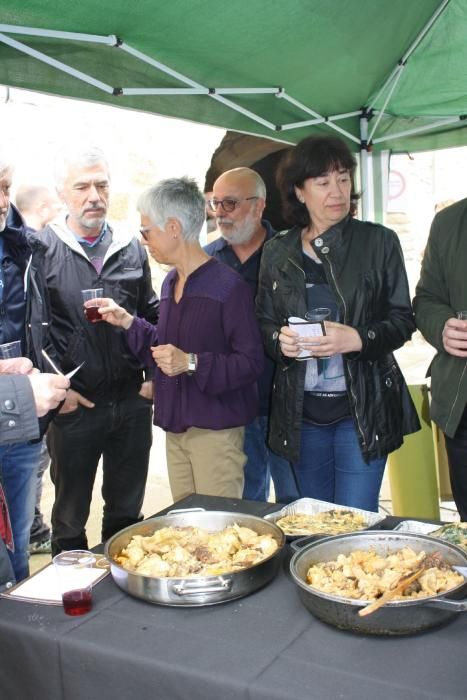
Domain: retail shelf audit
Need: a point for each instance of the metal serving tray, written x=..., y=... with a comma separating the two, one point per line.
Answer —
x=312, y=506
x=416, y=527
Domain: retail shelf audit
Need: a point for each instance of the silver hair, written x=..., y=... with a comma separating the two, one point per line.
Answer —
x=179, y=198
x=84, y=156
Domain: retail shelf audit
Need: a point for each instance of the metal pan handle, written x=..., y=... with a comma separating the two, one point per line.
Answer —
x=190, y=587
x=186, y=510
x=446, y=604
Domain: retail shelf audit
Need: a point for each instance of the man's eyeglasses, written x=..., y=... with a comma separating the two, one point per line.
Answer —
x=144, y=231
x=228, y=204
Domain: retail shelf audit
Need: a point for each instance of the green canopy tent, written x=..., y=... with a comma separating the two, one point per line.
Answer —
x=384, y=75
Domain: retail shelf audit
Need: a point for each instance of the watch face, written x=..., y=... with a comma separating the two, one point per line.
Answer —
x=191, y=362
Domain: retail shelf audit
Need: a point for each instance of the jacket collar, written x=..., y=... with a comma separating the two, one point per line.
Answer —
x=333, y=235
x=292, y=239
x=120, y=239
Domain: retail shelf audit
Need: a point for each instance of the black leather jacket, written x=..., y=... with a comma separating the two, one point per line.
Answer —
x=365, y=268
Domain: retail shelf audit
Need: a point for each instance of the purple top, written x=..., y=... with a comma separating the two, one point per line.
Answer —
x=215, y=318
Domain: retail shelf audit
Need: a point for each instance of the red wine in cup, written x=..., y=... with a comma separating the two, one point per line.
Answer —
x=92, y=314
x=77, y=602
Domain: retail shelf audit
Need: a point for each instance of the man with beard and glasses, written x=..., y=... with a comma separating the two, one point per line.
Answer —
x=108, y=410
x=238, y=200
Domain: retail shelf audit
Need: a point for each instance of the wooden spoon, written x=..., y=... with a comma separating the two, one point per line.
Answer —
x=400, y=586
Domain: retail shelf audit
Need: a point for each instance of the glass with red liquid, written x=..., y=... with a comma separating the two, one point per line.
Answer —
x=77, y=602
x=74, y=576
x=91, y=312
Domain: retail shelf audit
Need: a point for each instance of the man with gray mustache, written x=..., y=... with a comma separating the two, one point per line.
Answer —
x=108, y=410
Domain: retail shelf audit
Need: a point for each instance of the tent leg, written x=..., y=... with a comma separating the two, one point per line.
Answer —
x=366, y=173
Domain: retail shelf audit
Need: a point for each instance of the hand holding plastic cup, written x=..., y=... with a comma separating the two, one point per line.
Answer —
x=91, y=312
x=320, y=313
x=73, y=569
x=8, y=350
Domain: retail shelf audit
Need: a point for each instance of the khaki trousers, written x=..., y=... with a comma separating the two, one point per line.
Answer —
x=206, y=461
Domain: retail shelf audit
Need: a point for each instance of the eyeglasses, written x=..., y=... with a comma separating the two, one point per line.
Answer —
x=144, y=231
x=228, y=204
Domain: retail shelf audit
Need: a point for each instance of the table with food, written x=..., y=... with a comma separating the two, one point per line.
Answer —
x=234, y=602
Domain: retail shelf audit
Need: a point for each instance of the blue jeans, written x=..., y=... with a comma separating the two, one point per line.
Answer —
x=40, y=532
x=262, y=464
x=331, y=467
x=18, y=466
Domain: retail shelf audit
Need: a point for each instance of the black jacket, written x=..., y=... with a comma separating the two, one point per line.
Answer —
x=364, y=266
x=110, y=371
x=24, y=313
x=16, y=254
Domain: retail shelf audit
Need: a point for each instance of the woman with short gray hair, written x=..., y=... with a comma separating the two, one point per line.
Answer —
x=206, y=346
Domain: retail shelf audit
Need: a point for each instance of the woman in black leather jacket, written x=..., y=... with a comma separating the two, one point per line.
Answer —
x=338, y=415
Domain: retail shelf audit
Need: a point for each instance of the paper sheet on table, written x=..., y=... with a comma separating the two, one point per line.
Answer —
x=306, y=329
x=42, y=587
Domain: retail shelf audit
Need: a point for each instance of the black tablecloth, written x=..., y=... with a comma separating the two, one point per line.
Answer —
x=265, y=646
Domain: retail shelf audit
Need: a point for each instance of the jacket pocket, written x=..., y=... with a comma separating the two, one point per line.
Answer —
x=285, y=301
x=389, y=409
x=75, y=353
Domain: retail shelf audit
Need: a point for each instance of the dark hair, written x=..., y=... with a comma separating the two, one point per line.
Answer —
x=314, y=156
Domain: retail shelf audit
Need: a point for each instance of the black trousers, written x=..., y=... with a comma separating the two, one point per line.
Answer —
x=456, y=449
x=119, y=432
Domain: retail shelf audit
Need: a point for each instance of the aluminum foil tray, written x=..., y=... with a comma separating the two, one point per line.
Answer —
x=416, y=527
x=312, y=506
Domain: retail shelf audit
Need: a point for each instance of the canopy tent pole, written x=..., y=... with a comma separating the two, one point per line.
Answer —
x=446, y=121
x=366, y=172
x=282, y=94
x=391, y=83
x=321, y=120
x=385, y=93
x=395, y=74
x=39, y=56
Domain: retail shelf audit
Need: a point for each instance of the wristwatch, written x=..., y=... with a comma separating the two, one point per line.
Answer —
x=192, y=362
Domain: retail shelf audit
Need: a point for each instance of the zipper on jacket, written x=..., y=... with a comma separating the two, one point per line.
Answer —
x=457, y=394
x=354, y=396
x=284, y=369
x=297, y=266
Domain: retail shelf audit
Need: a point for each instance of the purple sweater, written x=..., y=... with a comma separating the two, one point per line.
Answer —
x=215, y=318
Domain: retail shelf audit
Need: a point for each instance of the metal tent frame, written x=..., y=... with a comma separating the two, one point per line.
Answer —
x=368, y=116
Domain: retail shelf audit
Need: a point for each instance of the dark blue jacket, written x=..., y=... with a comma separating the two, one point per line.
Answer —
x=14, y=260
x=249, y=270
